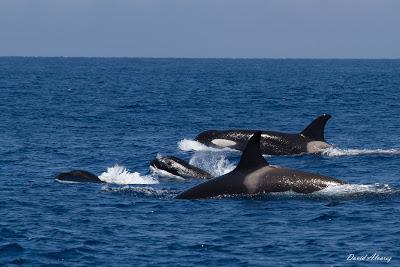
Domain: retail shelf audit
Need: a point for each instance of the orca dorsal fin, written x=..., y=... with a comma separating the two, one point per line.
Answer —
x=315, y=130
x=252, y=157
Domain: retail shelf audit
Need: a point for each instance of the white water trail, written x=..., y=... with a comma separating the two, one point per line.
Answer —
x=120, y=175
x=353, y=189
x=344, y=191
x=338, y=152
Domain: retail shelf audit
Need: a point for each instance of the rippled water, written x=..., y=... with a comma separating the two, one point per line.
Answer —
x=112, y=116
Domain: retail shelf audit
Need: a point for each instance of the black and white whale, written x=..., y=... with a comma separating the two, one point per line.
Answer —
x=78, y=176
x=179, y=167
x=253, y=175
x=310, y=140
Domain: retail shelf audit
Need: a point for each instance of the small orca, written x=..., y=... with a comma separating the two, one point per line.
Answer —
x=178, y=167
x=253, y=175
x=78, y=176
x=310, y=140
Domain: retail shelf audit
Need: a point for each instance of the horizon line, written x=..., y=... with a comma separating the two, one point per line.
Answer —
x=229, y=58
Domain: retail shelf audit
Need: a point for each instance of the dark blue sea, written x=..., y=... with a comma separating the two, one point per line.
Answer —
x=112, y=116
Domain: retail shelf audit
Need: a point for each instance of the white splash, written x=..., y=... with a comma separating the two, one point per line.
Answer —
x=192, y=145
x=216, y=163
x=337, y=152
x=120, y=175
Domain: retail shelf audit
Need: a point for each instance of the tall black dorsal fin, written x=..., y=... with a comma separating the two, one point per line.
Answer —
x=315, y=130
x=252, y=157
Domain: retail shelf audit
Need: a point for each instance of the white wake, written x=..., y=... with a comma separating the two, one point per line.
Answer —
x=338, y=152
x=355, y=189
x=342, y=191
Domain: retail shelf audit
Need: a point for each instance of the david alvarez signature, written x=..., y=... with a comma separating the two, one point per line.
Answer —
x=375, y=257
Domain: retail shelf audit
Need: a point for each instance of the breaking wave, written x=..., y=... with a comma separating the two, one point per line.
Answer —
x=120, y=175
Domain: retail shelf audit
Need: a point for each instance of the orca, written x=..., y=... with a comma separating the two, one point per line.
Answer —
x=310, y=140
x=179, y=167
x=253, y=175
x=78, y=176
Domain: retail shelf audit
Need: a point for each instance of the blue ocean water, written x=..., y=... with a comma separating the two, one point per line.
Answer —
x=112, y=116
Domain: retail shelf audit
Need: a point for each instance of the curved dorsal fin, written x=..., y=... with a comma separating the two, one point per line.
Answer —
x=315, y=130
x=252, y=157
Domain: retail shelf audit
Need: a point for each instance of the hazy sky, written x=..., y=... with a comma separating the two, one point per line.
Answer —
x=201, y=28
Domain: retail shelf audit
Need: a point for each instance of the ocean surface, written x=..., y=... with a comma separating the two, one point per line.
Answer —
x=112, y=116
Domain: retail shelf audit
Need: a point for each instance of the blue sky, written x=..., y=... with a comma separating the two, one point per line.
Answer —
x=201, y=28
